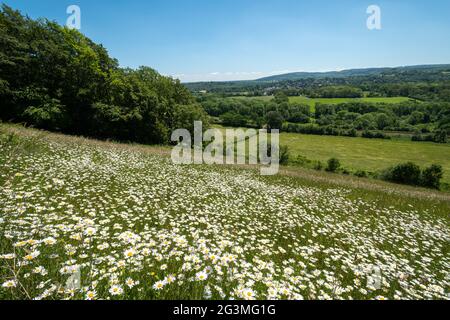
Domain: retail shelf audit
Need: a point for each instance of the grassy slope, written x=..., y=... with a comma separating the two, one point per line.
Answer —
x=328, y=229
x=368, y=154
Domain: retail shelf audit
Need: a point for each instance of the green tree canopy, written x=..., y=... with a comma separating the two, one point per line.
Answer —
x=58, y=79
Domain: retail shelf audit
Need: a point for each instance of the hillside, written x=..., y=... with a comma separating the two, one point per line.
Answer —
x=138, y=227
x=424, y=82
x=357, y=72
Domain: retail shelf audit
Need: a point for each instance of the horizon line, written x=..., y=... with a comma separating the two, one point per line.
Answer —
x=287, y=72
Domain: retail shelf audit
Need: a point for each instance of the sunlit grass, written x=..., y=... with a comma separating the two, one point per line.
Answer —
x=139, y=227
x=368, y=154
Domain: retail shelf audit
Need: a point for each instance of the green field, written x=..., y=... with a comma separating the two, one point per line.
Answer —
x=368, y=154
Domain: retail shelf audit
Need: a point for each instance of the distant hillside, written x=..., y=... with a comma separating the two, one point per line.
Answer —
x=353, y=72
x=423, y=82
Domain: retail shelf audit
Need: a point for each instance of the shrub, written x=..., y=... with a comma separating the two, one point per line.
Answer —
x=440, y=136
x=351, y=133
x=410, y=173
x=274, y=120
x=417, y=138
x=49, y=114
x=361, y=174
x=333, y=165
x=405, y=173
x=318, y=166
x=431, y=176
x=299, y=117
x=374, y=135
x=302, y=160
x=233, y=119
x=284, y=155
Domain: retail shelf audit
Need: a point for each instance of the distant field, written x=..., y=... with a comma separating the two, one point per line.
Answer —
x=313, y=102
x=367, y=154
x=264, y=98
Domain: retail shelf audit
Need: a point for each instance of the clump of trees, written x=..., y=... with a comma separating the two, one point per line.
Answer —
x=336, y=92
x=410, y=116
x=439, y=136
x=255, y=113
x=58, y=79
x=411, y=174
x=315, y=129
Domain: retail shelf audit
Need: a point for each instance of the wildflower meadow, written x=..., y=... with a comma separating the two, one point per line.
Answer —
x=82, y=219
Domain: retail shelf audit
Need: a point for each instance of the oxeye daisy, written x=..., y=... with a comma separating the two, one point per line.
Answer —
x=9, y=284
x=116, y=290
x=288, y=271
x=130, y=283
x=90, y=231
x=91, y=295
x=50, y=241
x=170, y=278
x=8, y=256
x=159, y=285
x=248, y=294
x=201, y=276
x=129, y=253
x=32, y=255
x=40, y=270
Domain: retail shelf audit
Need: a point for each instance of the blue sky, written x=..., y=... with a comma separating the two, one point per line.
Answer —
x=245, y=39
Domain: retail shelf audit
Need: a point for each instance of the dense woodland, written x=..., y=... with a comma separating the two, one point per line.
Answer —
x=58, y=79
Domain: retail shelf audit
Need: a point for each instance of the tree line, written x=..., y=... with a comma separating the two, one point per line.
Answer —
x=426, y=121
x=255, y=113
x=55, y=78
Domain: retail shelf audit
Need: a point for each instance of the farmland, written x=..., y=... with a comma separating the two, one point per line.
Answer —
x=135, y=226
x=368, y=154
x=371, y=155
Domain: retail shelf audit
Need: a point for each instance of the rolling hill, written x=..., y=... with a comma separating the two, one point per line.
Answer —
x=355, y=72
x=366, y=78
